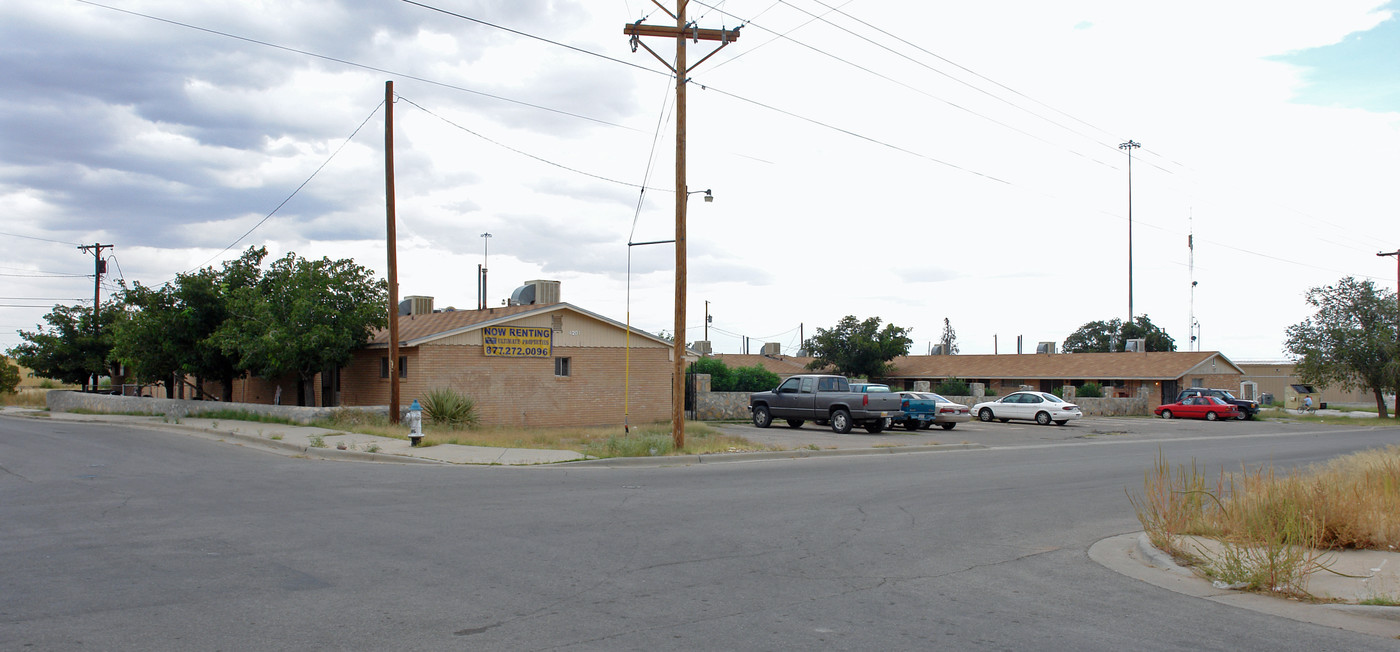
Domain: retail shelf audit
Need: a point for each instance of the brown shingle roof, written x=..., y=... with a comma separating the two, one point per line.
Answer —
x=783, y=365
x=1154, y=365
x=416, y=327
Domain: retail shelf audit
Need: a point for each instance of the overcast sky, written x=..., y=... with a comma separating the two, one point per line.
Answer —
x=907, y=160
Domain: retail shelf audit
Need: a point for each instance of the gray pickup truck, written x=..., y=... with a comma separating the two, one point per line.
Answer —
x=824, y=399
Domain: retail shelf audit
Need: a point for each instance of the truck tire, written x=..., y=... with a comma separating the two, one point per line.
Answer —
x=761, y=416
x=840, y=422
x=795, y=423
x=875, y=427
x=911, y=424
x=1242, y=415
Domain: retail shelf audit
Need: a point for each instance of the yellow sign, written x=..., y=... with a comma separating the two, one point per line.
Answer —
x=518, y=341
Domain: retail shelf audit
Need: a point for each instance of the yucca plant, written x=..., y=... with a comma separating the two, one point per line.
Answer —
x=447, y=407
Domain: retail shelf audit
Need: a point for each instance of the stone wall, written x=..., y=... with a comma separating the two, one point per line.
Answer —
x=66, y=401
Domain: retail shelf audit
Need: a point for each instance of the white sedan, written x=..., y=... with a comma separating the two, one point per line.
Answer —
x=1043, y=407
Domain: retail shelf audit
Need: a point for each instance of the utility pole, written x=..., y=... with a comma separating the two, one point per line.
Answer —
x=680, y=33
x=99, y=267
x=1130, y=146
x=1396, y=253
x=485, y=260
x=393, y=252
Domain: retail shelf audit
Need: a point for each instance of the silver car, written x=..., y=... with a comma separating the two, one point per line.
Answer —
x=1042, y=407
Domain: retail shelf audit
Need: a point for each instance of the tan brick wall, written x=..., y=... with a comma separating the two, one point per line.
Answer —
x=524, y=391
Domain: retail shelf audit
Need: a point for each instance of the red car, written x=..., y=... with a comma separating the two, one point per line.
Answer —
x=1209, y=408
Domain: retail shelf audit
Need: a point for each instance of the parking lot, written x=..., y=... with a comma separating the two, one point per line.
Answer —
x=1019, y=433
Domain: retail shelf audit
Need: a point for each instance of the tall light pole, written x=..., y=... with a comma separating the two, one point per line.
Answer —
x=1130, y=146
x=485, y=260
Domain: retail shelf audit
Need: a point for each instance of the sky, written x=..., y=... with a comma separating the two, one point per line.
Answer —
x=908, y=160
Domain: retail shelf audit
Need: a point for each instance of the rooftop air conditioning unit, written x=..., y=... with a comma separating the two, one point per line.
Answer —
x=772, y=348
x=702, y=347
x=535, y=292
x=936, y=349
x=416, y=305
x=1045, y=347
x=1138, y=345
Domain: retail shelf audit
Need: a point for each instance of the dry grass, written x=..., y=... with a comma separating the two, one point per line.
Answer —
x=1274, y=529
x=597, y=441
x=32, y=397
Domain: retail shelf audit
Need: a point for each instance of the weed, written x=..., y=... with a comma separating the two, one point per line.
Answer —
x=447, y=407
x=813, y=447
x=1381, y=601
x=1273, y=531
x=317, y=441
x=276, y=437
x=372, y=448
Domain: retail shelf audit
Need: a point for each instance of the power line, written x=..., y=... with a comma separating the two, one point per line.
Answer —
x=18, y=235
x=354, y=64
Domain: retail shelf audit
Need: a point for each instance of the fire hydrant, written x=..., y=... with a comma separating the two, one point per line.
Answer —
x=414, y=419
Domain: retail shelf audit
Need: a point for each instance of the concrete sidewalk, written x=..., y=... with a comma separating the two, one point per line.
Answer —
x=316, y=442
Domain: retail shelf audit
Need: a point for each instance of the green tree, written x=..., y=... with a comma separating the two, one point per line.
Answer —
x=721, y=378
x=69, y=349
x=152, y=341
x=1351, y=341
x=9, y=377
x=303, y=317
x=1111, y=335
x=856, y=348
x=949, y=340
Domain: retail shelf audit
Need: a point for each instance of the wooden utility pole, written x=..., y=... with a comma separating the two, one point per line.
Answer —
x=393, y=252
x=680, y=33
x=99, y=267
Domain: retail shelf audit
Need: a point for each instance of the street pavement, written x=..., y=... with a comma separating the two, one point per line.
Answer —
x=1353, y=576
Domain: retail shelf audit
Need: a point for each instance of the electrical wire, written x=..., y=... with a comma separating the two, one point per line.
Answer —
x=361, y=66
x=18, y=235
x=522, y=152
x=294, y=192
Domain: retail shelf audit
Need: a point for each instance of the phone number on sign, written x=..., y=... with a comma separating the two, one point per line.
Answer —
x=526, y=351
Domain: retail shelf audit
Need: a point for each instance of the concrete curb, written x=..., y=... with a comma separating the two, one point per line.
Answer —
x=726, y=458
x=1134, y=556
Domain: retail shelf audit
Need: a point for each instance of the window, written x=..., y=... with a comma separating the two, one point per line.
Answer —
x=384, y=366
x=561, y=367
x=1198, y=382
x=808, y=385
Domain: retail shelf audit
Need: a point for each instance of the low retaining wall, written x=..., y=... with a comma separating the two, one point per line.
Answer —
x=67, y=401
x=722, y=406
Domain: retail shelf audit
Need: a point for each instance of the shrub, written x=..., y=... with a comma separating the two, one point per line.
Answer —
x=1090, y=390
x=9, y=377
x=754, y=379
x=721, y=379
x=954, y=387
x=446, y=407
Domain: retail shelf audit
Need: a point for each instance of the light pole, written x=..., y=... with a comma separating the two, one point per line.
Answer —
x=485, y=259
x=1130, y=146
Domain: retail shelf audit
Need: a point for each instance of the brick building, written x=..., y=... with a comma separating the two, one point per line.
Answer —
x=524, y=365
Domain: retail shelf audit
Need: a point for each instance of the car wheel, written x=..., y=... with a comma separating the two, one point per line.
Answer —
x=840, y=422
x=985, y=415
x=761, y=416
x=911, y=424
x=1210, y=416
x=1042, y=418
x=948, y=426
x=1166, y=414
x=1241, y=416
x=795, y=423
x=929, y=424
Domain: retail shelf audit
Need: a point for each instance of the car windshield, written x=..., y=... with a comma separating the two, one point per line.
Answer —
x=1225, y=394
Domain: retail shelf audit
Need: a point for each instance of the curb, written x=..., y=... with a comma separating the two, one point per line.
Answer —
x=727, y=458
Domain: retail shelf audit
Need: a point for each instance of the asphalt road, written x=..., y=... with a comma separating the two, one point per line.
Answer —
x=119, y=538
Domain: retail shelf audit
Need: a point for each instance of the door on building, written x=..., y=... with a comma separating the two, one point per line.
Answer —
x=1169, y=390
x=1047, y=386
x=330, y=387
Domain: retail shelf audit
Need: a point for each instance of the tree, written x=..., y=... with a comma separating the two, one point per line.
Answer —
x=152, y=341
x=303, y=317
x=1112, y=335
x=949, y=340
x=9, y=377
x=70, y=349
x=721, y=378
x=754, y=379
x=859, y=349
x=1351, y=341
